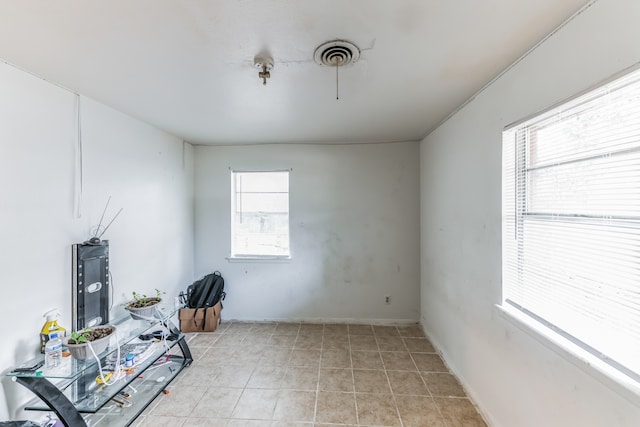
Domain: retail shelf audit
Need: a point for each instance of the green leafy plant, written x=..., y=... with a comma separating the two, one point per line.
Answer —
x=142, y=300
x=89, y=334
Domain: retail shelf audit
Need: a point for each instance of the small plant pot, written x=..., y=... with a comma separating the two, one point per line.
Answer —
x=81, y=351
x=143, y=309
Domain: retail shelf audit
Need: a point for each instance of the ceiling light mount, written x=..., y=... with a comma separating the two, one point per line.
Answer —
x=265, y=65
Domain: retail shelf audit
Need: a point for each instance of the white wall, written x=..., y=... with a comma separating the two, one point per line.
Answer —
x=515, y=379
x=147, y=172
x=354, y=233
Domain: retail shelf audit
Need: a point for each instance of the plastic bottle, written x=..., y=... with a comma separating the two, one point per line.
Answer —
x=53, y=351
x=50, y=326
x=129, y=360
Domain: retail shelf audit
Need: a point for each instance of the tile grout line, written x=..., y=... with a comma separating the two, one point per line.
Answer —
x=194, y=362
x=243, y=388
x=386, y=373
x=353, y=375
x=288, y=363
x=315, y=407
x=433, y=400
x=273, y=412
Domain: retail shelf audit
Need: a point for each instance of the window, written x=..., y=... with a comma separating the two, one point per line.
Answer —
x=260, y=214
x=571, y=221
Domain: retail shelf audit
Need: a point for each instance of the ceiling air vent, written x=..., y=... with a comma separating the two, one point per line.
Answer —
x=336, y=53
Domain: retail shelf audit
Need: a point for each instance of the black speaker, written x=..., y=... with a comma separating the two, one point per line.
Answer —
x=90, y=295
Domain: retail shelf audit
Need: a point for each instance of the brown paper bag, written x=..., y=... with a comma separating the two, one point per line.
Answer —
x=200, y=319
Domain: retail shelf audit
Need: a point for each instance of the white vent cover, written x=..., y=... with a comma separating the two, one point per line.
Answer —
x=336, y=53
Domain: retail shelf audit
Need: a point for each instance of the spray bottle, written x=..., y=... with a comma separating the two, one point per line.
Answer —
x=51, y=326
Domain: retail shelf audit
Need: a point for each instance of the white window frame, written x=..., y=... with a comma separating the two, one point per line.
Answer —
x=236, y=252
x=516, y=191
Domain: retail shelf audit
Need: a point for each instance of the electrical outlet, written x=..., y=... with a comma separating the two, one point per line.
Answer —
x=387, y=299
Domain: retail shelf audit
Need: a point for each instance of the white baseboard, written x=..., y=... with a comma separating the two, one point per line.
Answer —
x=342, y=320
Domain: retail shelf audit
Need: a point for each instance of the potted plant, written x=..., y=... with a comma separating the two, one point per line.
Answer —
x=78, y=342
x=142, y=307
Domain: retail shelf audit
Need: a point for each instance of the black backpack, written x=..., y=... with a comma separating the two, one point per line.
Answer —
x=203, y=294
x=206, y=292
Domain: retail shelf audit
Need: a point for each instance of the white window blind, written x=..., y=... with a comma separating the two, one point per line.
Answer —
x=571, y=221
x=260, y=214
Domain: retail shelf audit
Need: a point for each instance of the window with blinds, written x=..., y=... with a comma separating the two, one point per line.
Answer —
x=260, y=214
x=571, y=221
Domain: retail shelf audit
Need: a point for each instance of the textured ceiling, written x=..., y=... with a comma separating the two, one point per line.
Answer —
x=187, y=66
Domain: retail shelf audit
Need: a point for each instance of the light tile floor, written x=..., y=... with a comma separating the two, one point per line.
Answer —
x=313, y=375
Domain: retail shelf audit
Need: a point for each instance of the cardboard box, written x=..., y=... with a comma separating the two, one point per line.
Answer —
x=200, y=319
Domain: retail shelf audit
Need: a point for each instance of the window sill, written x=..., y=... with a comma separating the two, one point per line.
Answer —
x=275, y=259
x=593, y=366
